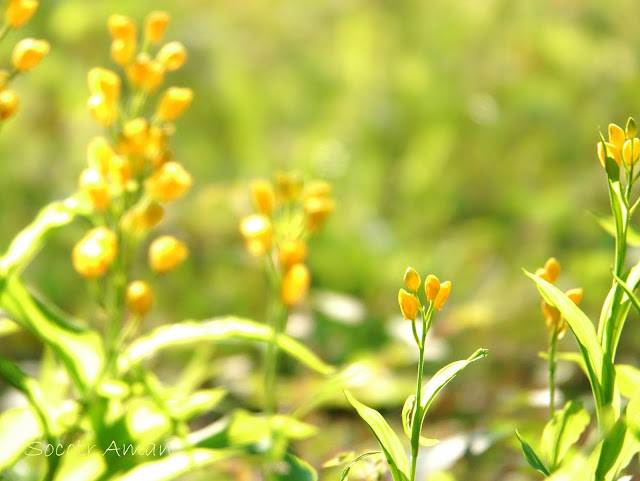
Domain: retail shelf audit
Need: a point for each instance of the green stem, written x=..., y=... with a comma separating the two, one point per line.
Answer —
x=417, y=414
x=552, y=370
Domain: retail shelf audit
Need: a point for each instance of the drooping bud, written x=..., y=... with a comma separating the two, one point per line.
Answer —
x=173, y=103
x=431, y=287
x=409, y=305
x=169, y=182
x=412, y=279
x=27, y=53
x=443, y=294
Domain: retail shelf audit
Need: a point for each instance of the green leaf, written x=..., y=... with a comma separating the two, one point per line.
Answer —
x=609, y=226
x=632, y=297
x=617, y=449
x=442, y=378
x=600, y=370
x=628, y=378
x=8, y=327
x=27, y=243
x=146, y=422
x=80, y=352
x=295, y=469
x=354, y=461
x=408, y=411
x=195, y=404
x=216, y=330
x=562, y=432
x=389, y=442
x=18, y=429
x=174, y=465
x=531, y=457
x=82, y=461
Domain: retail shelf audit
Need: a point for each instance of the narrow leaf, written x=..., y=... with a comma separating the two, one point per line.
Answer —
x=628, y=378
x=562, y=432
x=295, y=469
x=609, y=226
x=531, y=457
x=632, y=297
x=18, y=429
x=355, y=461
x=216, y=330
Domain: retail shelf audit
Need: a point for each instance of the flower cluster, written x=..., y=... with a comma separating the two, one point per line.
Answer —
x=130, y=174
x=26, y=54
x=287, y=211
x=553, y=319
x=622, y=145
x=436, y=292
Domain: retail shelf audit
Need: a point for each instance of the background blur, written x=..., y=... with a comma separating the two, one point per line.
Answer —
x=460, y=139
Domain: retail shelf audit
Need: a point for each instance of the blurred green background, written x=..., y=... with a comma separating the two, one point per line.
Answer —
x=460, y=139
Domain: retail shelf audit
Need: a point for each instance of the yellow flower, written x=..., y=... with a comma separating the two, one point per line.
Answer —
x=122, y=51
x=94, y=186
x=122, y=27
x=412, y=279
x=95, y=252
x=146, y=73
x=409, y=305
x=552, y=266
x=20, y=12
x=542, y=273
x=103, y=112
x=105, y=83
x=170, y=182
x=295, y=284
x=99, y=153
x=288, y=186
x=431, y=287
x=290, y=252
x=553, y=318
x=257, y=232
x=139, y=298
x=135, y=133
x=8, y=104
x=443, y=294
x=119, y=170
x=611, y=152
x=27, y=53
x=263, y=196
x=173, y=103
x=154, y=26
x=172, y=56
x=575, y=295
x=631, y=151
x=317, y=209
x=616, y=136
x=166, y=253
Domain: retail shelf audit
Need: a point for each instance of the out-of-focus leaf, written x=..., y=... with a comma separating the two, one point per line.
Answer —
x=146, y=423
x=7, y=326
x=562, y=432
x=531, y=456
x=82, y=461
x=600, y=371
x=609, y=226
x=295, y=469
x=195, y=404
x=617, y=449
x=389, y=442
x=442, y=378
x=354, y=461
x=18, y=429
x=27, y=243
x=216, y=330
x=174, y=465
x=80, y=353
x=628, y=378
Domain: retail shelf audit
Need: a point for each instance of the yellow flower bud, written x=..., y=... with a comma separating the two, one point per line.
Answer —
x=8, y=104
x=317, y=209
x=20, y=12
x=27, y=53
x=575, y=295
x=288, y=186
x=94, y=186
x=552, y=266
x=173, y=103
x=295, y=284
x=105, y=83
x=552, y=318
x=317, y=188
x=166, y=253
x=119, y=170
x=412, y=280
x=631, y=130
x=442, y=296
x=262, y=196
x=99, y=153
x=431, y=287
x=151, y=215
x=631, y=151
x=611, y=152
x=135, y=133
x=169, y=182
x=121, y=27
x=103, y=112
x=409, y=305
x=146, y=73
x=616, y=136
x=257, y=232
x=122, y=51
x=542, y=273
x=172, y=56
x=95, y=252
x=290, y=252
x=154, y=26
x=139, y=298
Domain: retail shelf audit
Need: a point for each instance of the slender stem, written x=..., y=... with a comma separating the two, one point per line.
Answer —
x=552, y=370
x=417, y=412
